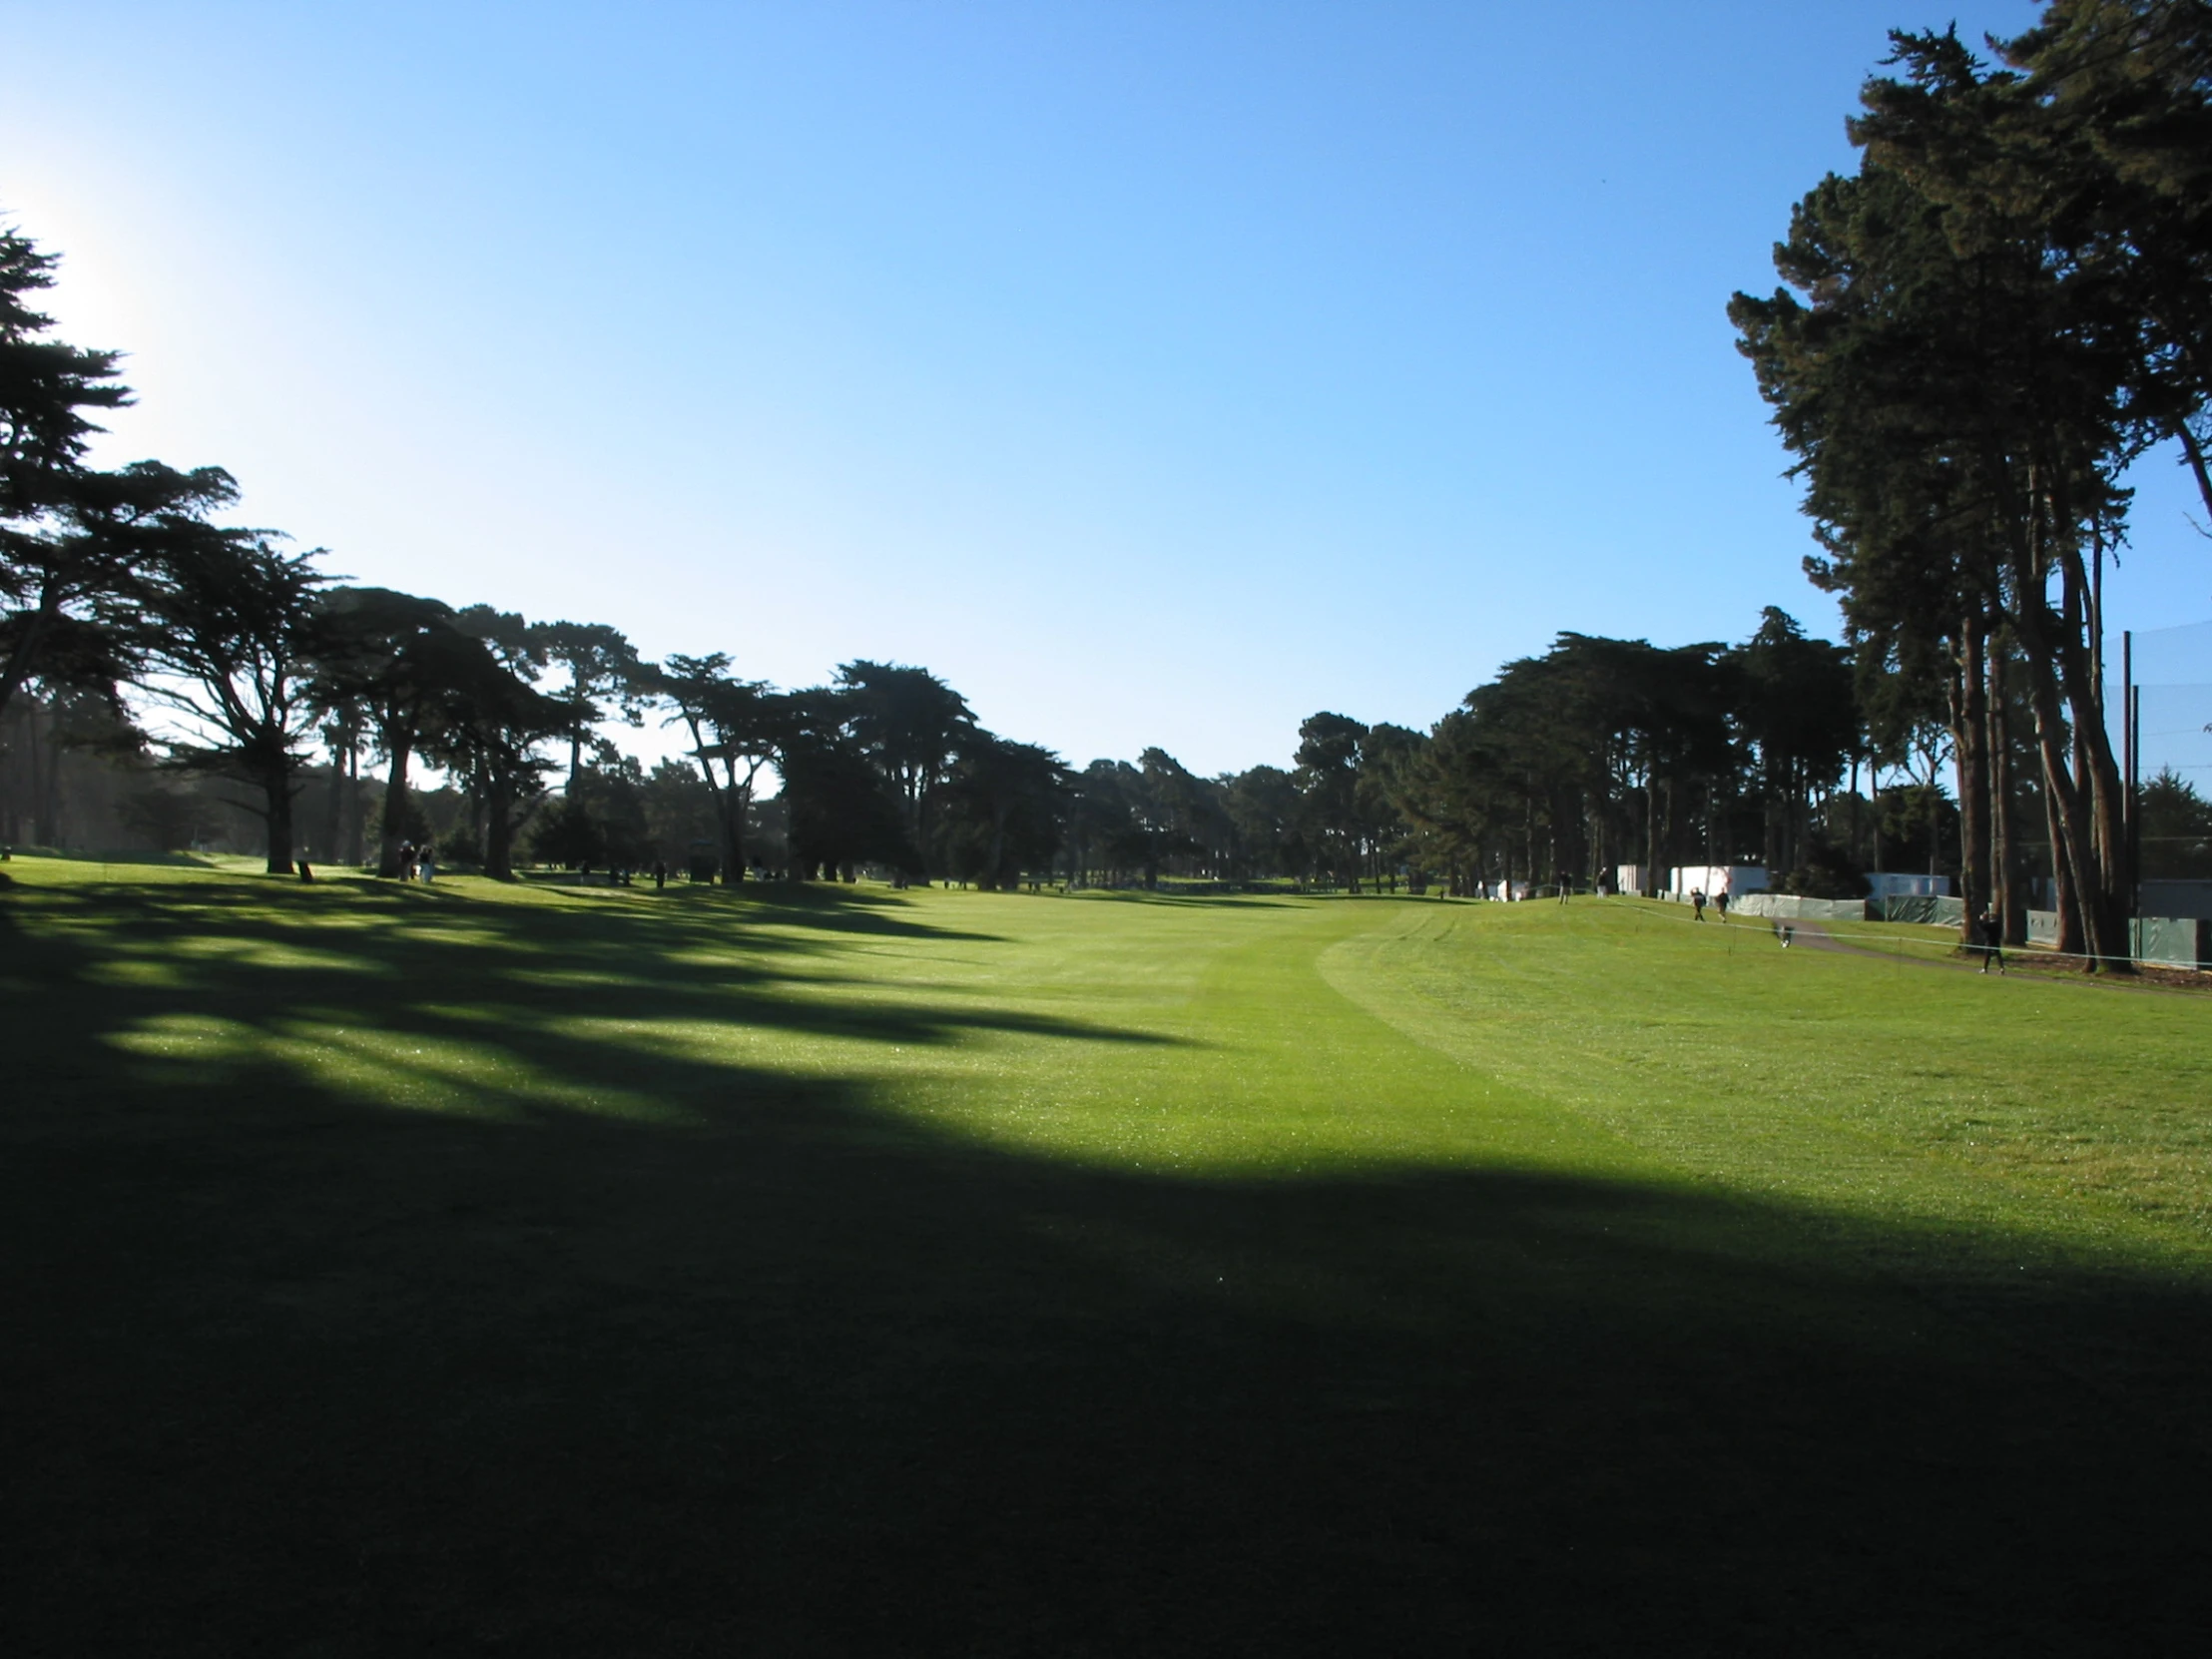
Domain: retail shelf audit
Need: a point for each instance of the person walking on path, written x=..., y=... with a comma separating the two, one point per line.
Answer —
x=429, y=862
x=1992, y=932
x=1720, y=902
x=1697, y=903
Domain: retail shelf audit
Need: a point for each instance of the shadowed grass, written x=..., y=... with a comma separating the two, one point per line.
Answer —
x=402, y=1270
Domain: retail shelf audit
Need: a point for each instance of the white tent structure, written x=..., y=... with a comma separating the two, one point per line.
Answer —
x=1714, y=879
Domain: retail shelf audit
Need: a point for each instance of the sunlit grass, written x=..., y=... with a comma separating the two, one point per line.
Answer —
x=2057, y=1106
x=1223, y=1037
x=1082, y=1267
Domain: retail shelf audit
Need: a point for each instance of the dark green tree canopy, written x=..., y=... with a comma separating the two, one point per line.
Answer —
x=48, y=390
x=230, y=633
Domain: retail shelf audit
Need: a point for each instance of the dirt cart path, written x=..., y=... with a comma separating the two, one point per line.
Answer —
x=1811, y=935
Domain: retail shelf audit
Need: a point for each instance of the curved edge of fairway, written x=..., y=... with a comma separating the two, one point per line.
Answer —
x=2028, y=1119
x=1238, y=1059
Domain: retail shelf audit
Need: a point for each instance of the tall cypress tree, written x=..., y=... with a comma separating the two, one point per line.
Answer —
x=1956, y=391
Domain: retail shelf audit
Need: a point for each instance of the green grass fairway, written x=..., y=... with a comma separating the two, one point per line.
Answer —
x=542, y=1271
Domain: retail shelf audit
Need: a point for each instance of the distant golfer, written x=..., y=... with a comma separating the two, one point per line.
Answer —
x=1991, y=931
x=1697, y=903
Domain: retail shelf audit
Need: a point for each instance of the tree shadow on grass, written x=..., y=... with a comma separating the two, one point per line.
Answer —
x=536, y=985
x=819, y=906
x=783, y=1371
x=1192, y=901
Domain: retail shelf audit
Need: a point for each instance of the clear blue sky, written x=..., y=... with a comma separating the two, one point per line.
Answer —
x=1155, y=372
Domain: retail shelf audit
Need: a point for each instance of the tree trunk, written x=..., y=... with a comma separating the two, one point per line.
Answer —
x=50, y=791
x=2065, y=896
x=1651, y=831
x=11, y=811
x=2075, y=863
x=24, y=649
x=278, y=789
x=500, y=830
x=998, y=844
x=924, y=822
x=1874, y=787
x=395, y=810
x=479, y=831
x=2104, y=836
x=1933, y=800
x=1969, y=730
x=1853, y=832
x=2010, y=909
x=2195, y=452
x=2052, y=645
x=1528, y=830
x=731, y=805
x=354, y=849
x=334, y=809
x=2106, y=806
x=43, y=794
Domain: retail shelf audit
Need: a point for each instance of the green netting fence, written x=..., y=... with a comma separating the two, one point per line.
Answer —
x=1920, y=908
x=2173, y=941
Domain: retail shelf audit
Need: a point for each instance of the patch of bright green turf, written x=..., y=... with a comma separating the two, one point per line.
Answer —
x=589, y=1270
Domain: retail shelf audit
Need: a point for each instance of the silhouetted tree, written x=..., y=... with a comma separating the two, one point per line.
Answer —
x=1004, y=803
x=231, y=629
x=736, y=726
x=402, y=661
x=601, y=665
x=838, y=809
x=485, y=726
x=909, y=724
x=74, y=541
x=1963, y=381
x=1263, y=809
x=1800, y=718
x=2176, y=829
x=1329, y=781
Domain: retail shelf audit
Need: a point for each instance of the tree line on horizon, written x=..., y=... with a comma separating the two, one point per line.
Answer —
x=127, y=604
x=1978, y=332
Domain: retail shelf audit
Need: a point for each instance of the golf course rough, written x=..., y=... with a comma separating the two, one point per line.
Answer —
x=602, y=1270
